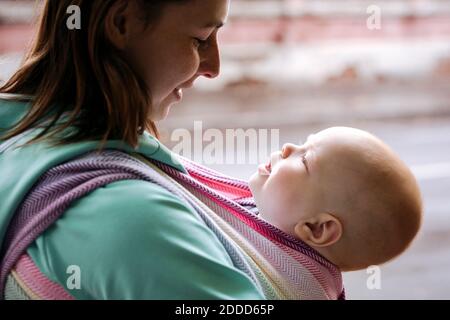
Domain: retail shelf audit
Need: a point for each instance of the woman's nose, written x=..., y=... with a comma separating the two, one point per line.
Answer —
x=210, y=61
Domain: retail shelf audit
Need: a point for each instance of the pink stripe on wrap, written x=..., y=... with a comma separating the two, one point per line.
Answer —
x=37, y=282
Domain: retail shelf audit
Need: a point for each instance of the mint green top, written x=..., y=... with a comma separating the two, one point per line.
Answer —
x=131, y=239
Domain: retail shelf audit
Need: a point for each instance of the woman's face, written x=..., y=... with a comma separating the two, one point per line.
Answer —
x=172, y=52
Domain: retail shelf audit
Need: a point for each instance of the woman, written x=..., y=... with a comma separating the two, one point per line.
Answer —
x=105, y=85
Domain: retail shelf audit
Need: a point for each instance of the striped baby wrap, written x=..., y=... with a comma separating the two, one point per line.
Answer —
x=280, y=266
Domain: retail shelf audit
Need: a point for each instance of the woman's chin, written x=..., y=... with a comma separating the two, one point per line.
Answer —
x=161, y=113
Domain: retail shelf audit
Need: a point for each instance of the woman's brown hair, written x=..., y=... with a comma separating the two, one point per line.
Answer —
x=82, y=73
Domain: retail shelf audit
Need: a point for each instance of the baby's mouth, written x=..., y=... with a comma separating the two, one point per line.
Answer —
x=269, y=167
x=265, y=169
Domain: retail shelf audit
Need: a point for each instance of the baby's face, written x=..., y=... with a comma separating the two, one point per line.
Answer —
x=344, y=193
x=302, y=180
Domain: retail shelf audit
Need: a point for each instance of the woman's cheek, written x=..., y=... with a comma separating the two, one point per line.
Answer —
x=188, y=62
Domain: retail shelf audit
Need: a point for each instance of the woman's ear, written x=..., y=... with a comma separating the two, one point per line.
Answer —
x=321, y=231
x=118, y=23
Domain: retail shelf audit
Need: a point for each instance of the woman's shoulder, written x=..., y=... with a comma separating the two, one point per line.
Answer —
x=145, y=240
x=12, y=109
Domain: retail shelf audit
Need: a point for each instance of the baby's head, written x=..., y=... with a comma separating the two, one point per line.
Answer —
x=345, y=193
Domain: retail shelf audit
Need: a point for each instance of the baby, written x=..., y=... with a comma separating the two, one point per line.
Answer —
x=344, y=193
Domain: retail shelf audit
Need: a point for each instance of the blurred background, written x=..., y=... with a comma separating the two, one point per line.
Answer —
x=299, y=66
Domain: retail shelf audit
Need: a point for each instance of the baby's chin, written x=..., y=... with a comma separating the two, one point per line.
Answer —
x=252, y=182
x=255, y=187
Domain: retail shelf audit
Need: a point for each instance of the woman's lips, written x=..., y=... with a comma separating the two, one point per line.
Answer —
x=178, y=92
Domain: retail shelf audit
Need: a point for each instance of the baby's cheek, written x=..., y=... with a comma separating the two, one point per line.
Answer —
x=274, y=194
x=285, y=174
x=285, y=185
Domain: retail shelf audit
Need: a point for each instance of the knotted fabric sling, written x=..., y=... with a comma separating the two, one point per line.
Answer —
x=281, y=266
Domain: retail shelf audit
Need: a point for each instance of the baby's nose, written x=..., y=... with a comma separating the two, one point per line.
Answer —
x=287, y=149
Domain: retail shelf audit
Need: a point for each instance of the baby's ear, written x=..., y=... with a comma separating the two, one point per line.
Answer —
x=323, y=230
